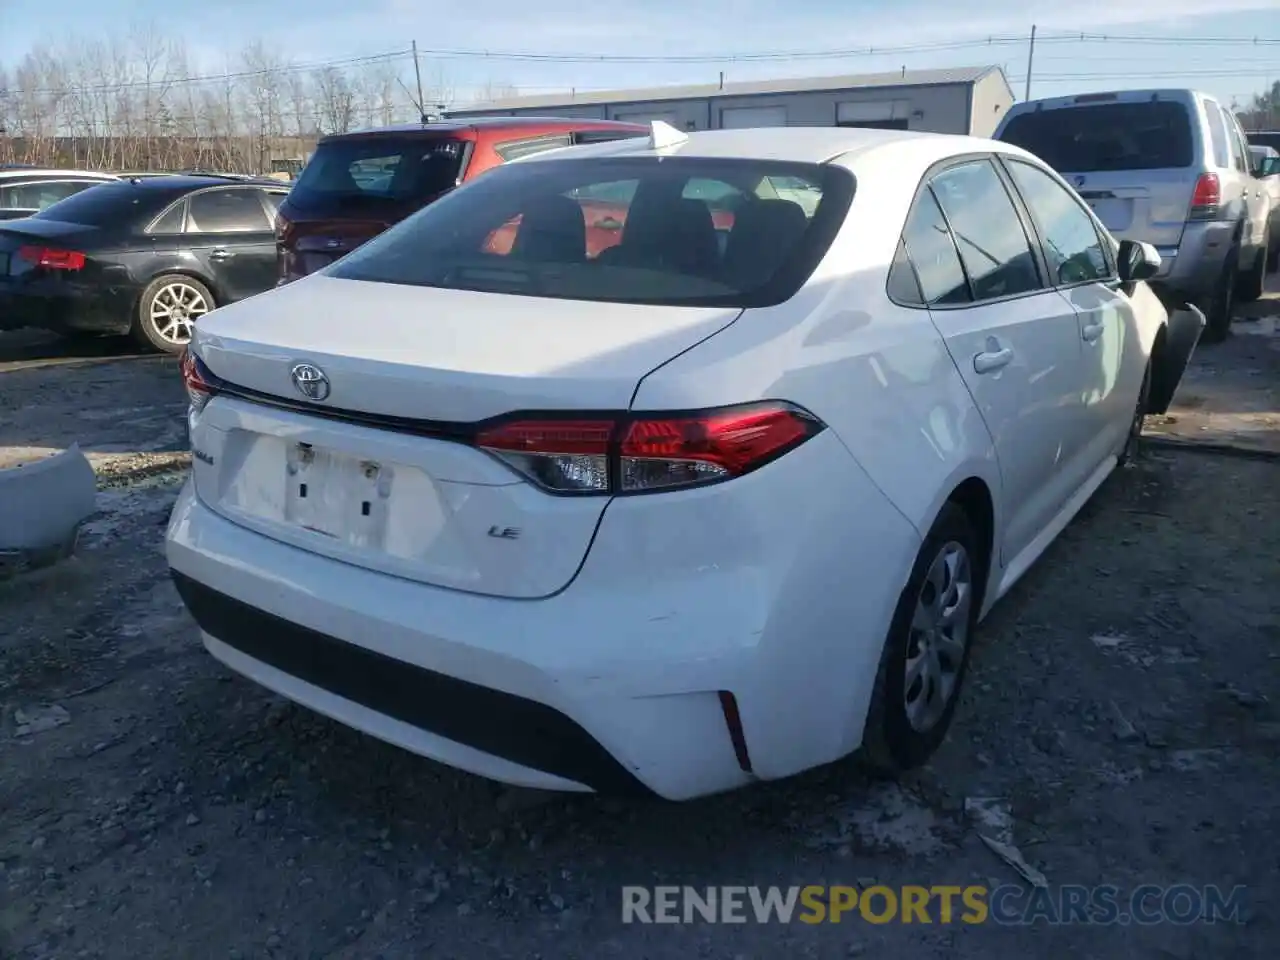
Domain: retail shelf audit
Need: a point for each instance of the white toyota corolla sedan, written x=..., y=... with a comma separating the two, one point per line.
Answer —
x=621, y=469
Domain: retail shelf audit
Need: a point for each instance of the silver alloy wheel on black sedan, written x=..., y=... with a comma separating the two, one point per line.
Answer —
x=169, y=309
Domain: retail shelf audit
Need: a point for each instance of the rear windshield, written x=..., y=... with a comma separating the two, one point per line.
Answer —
x=1267, y=139
x=110, y=204
x=675, y=231
x=396, y=169
x=1109, y=136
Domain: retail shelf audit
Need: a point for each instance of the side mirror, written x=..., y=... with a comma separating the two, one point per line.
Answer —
x=1137, y=261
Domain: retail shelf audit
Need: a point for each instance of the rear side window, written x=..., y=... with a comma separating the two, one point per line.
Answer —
x=171, y=221
x=1217, y=135
x=932, y=251
x=625, y=230
x=1149, y=135
x=404, y=169
x=993, y=245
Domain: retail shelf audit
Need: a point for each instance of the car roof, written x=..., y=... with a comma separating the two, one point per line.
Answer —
x=185, y=182
x=795, y=144
x=485, y=123
x=1183, y=95
x=45, y=173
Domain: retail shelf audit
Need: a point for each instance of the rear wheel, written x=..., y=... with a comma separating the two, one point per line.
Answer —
x=168, y=310
x=1254, y=280
x=926, y=652
x=1222, y=304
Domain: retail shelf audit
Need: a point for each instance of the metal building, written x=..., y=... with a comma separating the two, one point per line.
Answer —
x=967, y=100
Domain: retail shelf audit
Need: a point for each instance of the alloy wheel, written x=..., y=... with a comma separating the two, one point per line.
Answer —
x=174, y=311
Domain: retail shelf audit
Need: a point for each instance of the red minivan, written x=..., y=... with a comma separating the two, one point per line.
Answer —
x=358, y=184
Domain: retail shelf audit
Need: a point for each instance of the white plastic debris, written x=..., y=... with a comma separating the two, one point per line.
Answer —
x=38, y=719
x=1106, y=641
x=993, y=818
x=42, y=504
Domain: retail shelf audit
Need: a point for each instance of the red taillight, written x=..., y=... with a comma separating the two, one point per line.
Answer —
x=567, y=456
x=52, y=258
x=1207, y=197
x=630, y=453
x=200, y=382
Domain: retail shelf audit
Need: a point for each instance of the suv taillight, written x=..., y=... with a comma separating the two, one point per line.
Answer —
x=646, y=453
x=1207, y=197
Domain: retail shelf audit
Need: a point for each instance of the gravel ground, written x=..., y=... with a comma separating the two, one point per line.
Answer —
x=1121, y=706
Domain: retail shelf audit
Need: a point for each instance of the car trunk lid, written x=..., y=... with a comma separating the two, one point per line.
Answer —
x=381, y=472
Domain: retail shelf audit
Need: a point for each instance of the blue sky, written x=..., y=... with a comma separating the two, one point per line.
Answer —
x=325, y=30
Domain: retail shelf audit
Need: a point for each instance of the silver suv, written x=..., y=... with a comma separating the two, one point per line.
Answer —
x=1168, y=167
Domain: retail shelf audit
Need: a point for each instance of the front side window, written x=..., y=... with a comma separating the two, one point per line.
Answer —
x=226, y=211
x=1071, y=244
x=620, y=229
x=993, y=245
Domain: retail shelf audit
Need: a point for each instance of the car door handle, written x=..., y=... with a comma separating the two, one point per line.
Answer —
x=1092, y=331
x=221, y=253
x=992, y=360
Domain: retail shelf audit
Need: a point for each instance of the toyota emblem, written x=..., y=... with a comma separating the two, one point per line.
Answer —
x=310, y=381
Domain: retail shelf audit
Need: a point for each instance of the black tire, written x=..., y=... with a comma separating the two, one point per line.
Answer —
x=1218, y=311
x=1132, y=445
x=145, y=330
x=891, y=744
x=1253, y=282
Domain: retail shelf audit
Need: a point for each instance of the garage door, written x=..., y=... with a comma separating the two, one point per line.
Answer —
x=887, y=114
x=648, y=116
x=739, y=118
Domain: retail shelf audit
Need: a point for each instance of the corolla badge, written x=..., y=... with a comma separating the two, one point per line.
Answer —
x=333, y=244
x=310, y=381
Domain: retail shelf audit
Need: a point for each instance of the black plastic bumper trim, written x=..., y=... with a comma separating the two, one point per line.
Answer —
x=522, y=731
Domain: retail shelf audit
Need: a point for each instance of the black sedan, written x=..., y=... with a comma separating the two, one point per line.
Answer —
x=146, y=256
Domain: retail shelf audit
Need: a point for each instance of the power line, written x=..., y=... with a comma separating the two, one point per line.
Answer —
x=395, y=56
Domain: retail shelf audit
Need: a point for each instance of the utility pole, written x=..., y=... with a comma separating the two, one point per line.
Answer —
x=1031, y=56
x=417, y=75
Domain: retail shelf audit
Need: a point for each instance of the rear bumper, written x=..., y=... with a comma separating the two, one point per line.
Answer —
x=613, y=684
x=64, y=307
x=1193, y=267
x=525, y=732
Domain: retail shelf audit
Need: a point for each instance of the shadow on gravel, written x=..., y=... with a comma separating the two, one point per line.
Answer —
x=36, y=348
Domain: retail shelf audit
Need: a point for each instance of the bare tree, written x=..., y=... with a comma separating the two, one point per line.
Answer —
x=138, y=101
x=335, y=100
